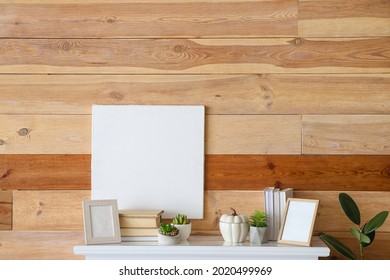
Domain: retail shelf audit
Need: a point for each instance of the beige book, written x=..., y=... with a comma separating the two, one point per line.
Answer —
x=139, y=231
x=126, y=222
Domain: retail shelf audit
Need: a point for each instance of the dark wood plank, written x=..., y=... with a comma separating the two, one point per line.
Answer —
x=159, y=56
x=221, y=94
x=178, y=19
x=45, y=172
x=317, y=172
x=222, y=172
x=5, y=210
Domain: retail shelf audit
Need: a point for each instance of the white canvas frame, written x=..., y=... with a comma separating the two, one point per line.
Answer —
x=101, y=221
x=298, y=221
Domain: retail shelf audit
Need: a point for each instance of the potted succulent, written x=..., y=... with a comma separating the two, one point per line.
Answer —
x=168, y=234
x=234, y=227
x=183, y=224
x=258, y=233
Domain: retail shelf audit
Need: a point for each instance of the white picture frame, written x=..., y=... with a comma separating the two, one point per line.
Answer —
x=298, y=221
x=101, y=221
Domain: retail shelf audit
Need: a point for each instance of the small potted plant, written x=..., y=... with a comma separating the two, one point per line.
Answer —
x=183, y=224
x=168, y=234
x=258, y=233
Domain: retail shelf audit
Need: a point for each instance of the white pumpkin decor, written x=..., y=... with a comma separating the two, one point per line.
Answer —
x=234, y=228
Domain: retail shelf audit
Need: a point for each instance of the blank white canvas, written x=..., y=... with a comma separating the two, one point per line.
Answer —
x=149, y=157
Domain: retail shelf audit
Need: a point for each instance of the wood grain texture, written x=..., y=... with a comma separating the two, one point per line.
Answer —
x=310, y=173
x=221, y=94
x=222, y=172
x=282, y=55
x=344, y=18
x=40, y=245
x=238, y=134
x=59, y=210
x=378, y=250
x=41, y=172
x=70, y=134
x=330, y=215
x=5, y=210
x=179, y=19
x=48, y=210
x=45, y=134
x=343, y=134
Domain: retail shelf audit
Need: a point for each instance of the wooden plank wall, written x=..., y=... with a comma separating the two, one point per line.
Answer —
x=297, y=94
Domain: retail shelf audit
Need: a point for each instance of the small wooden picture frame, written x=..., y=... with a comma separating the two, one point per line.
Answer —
x=298, y=221
x=101, y=221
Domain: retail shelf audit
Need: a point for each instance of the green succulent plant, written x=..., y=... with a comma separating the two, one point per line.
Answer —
x=258, y=219
x=168, y=229
x=180, y=219
x=364, y=234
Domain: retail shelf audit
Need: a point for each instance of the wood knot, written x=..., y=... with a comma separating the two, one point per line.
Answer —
x=39, y=212
x=2, y=142
x=23, y=131
x=110, y=19
x=278, y=184
x=116, y=95
x=40, y=203
x=178, y=49
x=6, y=174
x=297, y=41
x=271, y=166
x=269, y=105
x=65, y=46
x=218, y=95
x=18, y=21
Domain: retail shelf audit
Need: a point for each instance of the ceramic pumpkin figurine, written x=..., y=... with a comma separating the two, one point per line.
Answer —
x=234, y=227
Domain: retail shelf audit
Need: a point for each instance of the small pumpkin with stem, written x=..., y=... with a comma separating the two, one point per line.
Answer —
x=234, y=227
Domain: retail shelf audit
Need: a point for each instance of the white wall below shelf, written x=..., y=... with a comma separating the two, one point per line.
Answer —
x=203, y=248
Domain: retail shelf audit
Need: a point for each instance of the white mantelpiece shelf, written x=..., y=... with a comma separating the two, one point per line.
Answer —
x=203, y=248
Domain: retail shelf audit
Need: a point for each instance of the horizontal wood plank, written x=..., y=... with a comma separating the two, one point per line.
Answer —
x=40, y=245
x=342, y=134
x=70, y=134
x=45, y=134
x=48, y=210
x=150, y=19
x=222, y=172
x=317, y=172
x=45, y=172
x=344, y=18
x=221, y=94
x=282, y=55
x=51, y=210
x=237, y=134
x=5, y=210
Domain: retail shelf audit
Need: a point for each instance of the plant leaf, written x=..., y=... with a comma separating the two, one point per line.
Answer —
x=375, y=222
x=350, y=208
x=360, y=236
x=371, y=235
x=338, y=246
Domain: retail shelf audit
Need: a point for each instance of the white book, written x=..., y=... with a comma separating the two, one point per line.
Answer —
x=269, y=208
x=276, y=214
x=284, y=195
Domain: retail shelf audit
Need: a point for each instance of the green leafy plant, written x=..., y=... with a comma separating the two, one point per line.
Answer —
x=180, y=219
x=258, y=219
x=168, y=229
x=364, y=234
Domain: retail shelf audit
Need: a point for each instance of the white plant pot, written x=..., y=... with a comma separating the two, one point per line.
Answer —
x=258, y=235
x=168, y=240
x=185, y=231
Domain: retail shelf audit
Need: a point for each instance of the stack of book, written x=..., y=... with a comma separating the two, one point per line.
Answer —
x=139, y=224
x=274, y=205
